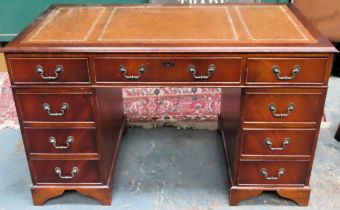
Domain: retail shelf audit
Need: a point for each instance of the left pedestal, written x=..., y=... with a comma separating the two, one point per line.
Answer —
x=72, y=137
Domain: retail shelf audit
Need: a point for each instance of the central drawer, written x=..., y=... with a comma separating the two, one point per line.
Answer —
x=211, y=69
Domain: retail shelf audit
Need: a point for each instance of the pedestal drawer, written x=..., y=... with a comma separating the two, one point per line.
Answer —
x=282, y=107
x=66, y=171
x=212, y=69
x=281, y=142
x=273, y=172
x=61, y=140
x=286, y=70
x=55, y=107
x=49, y=70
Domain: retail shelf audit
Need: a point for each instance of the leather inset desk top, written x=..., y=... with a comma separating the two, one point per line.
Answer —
x=143, y=26
x=67, y=24
x=171, y=24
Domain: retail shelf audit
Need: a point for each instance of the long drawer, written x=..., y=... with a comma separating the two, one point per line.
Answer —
x=272, y=172
x=49, y=70
x=277, y=142
x=66, y=171
x=60, y=140
x=282, y=106
x=212, y=69
x=54, y=107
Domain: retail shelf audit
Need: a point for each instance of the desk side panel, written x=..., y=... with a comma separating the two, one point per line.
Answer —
x=111, y=125
x=230, y=123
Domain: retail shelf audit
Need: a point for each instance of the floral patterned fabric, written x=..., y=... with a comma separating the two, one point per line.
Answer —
x=146, y=107
x=8, y=115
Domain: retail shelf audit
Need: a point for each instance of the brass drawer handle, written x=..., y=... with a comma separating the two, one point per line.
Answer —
x=290, y=109
x=58, y=70
x=193, y=71
x=280, y=173
x=63, y=108
x=74, y=171
x=68, y=142
x=284, y=145
x=141, y=70
x=295, y=71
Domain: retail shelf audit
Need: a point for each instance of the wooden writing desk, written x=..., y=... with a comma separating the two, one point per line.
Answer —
x=67, y=70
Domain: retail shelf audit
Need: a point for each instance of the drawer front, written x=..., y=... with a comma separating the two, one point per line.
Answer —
x=282, y=142
x=273, y=172
x=56, y=107
x=66, y=171
x=49, y=70
x=286, y=70
x=168, y=70
x=57, y=140
x=282, y=107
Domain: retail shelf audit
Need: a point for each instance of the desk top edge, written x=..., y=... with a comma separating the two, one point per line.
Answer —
x=321, y=44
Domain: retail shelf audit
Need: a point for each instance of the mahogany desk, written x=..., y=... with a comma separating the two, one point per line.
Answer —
x=67, y=70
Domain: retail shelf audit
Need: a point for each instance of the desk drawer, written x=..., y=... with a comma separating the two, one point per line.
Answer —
x=49, y=70
x=273, y=172
x=282, y=107
x=282, y=142
x=286, y=70
x=224, y=70
x=56, y=107
x=61, y=140
x=66, y=171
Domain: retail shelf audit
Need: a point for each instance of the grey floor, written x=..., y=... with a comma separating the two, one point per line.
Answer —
x=167, y=168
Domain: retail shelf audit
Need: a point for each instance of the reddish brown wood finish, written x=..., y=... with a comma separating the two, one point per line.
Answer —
x=300, y=142
x=44, y=171
x=257, y=106
x=312, y=70
x=38, y=140
x=299, y=195
x=250, y=172
x=41, y=195
x=91, y=83
x=102, y=195
x=75, y=70
x=171, y=69
x=112, y=123
x=229, y=125
x=80, y=107
x=237, y=195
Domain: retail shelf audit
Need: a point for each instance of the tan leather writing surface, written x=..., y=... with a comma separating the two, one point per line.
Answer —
x=174, y=24
x=271, y=23
x=171, y=24
x=68, y=24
